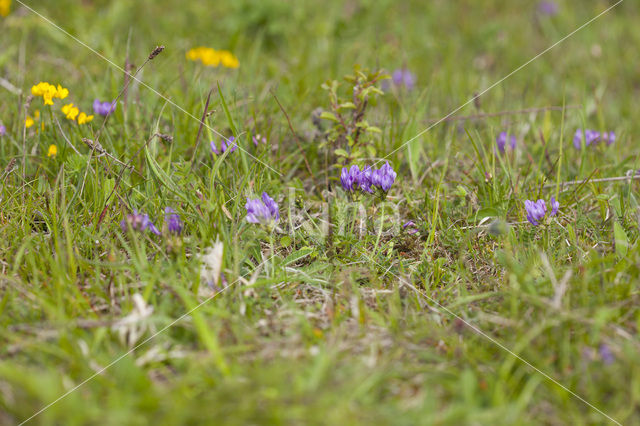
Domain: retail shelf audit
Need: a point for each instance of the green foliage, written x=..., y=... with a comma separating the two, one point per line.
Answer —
x=331, y=319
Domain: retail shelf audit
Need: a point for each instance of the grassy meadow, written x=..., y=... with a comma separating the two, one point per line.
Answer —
x=443, y=299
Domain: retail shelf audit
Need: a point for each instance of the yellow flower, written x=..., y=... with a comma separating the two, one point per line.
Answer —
x=28, y=122
x=193, y=55
x=5, y=7
x=70, y=111
x=49, y=91
x=53, y=151
x=62, y=92
x=213, y=58
x=84, y=118
x=228, y=60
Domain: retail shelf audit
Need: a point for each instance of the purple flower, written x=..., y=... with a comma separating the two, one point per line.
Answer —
x=536, y=211
x=263, y=211
x=555, y=205
x=225, y=145
x=609, y=137
x=401, y=77
x=257, y=139
x=549, y=8
x=606, y=354
x=138, y=222
x=383, y=177
x=350, y=178
x=172, y=221
x=364, y=179
x=592, y=137
x=412, y=229
x=501, y=141
x=3, y=130
x=103, y=108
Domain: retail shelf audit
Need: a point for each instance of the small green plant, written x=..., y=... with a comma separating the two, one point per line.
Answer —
x=348, y=138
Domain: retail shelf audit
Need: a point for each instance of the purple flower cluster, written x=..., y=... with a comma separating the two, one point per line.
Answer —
x=257, y=139
x=536, y=211
x=401, y=77
x=548, y=8
x=410, y=228
x=366, y=179
x=502, y=139
x=138, y=222
x=3, y=130
x=225, y=145
x=263, y=211
x=103, y=108
x=172, y=221
x=404, y=78
x=592, y=137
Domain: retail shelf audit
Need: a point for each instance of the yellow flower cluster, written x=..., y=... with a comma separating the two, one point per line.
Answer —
x=212, y=58
x=5, y=7
x=72, y=113
x=49, y=91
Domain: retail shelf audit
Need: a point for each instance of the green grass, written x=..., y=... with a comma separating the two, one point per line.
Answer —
x=355, y=327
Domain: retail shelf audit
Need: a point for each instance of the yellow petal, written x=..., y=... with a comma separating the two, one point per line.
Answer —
x=28, y=122
x=53, y=151
x=62, y=92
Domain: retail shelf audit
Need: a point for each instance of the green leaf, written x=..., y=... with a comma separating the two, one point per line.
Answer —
x=297, y=255
x=621, y=240
x=347, y=105
x=285, y=241
x=326, y=115
x=162, y=178
x=341, y=153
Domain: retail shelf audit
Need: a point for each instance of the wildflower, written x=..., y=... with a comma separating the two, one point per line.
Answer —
x=3, y=130
x=103, y=108
x=402, y=77
x=263, y=211
x=592, y=137
x=70, y=111
x=606, y=354
x=138, y=222
x=384, y=177
x=501, y=141
x=48, y=92
x=84, y=118
x=410, y=227
x=225, y=145
x=172, y=221
x=364, y=179
x=228, y=60
x=548, y=8
x=536, y=211
x=28, y=122
x=213, y=58
x=257, y=138
x=61, y=92
x=5, y=7
x=349, y=178
x=53, y=151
